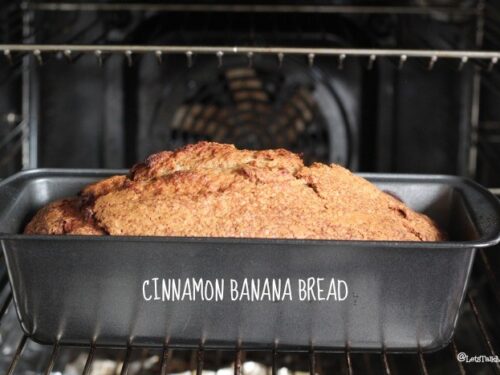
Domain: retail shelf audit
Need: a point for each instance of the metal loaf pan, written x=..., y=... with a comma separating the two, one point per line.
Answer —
x=400, y=295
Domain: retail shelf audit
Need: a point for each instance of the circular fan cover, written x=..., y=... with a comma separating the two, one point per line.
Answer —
x=258, y=107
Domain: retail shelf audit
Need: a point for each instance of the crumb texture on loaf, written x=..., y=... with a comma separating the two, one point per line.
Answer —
x=216, y=190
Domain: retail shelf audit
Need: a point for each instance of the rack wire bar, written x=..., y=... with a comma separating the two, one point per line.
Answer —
x=482, y=328
x=254, y=8
x=52, y=360
x=385, y=360
x=343, y=53
x=126, y=361
x=200, y=359
x=421, y=362
x=348, y=360
x=454, y=350
x=238, y=362
x=164, y=361
x=90, y=359
x=17, y=355
x=13, y=133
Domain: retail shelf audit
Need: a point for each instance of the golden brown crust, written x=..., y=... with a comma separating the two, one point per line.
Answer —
x=62, y=217
x=104, y=186
x=215, y=190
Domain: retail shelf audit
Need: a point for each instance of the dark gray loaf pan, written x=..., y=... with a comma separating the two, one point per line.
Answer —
x=155, y=291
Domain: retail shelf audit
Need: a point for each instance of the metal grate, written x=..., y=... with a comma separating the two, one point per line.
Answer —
x=490, y=58
x=79, y=43
x=253, y=8
x=477, y=320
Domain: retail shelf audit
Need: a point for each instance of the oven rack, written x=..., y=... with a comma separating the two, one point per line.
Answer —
x=372, y=54
x=251, y=8
x=347, y=360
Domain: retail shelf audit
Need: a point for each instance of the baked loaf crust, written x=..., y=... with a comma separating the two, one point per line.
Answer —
x=216, y=190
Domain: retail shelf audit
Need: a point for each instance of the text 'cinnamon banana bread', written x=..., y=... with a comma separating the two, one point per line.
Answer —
x=216, y=190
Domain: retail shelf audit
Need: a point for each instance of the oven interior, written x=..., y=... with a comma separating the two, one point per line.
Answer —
x=378, y=86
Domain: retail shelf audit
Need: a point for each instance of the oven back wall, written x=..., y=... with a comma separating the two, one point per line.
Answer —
x=386, y=119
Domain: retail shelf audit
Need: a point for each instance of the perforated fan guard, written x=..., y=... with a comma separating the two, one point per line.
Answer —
x=255, y=105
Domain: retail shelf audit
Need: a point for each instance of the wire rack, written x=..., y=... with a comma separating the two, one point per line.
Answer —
x=480, y=11
x=481, y=304
x=341, y=54
x=254, y=8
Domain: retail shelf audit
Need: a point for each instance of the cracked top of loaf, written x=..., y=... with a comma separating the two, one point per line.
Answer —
x=215, y=190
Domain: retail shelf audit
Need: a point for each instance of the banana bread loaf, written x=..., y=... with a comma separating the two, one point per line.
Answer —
x=216, y=190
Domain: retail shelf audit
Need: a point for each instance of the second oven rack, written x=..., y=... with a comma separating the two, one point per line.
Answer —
x=372, y=54
x=68, y=6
